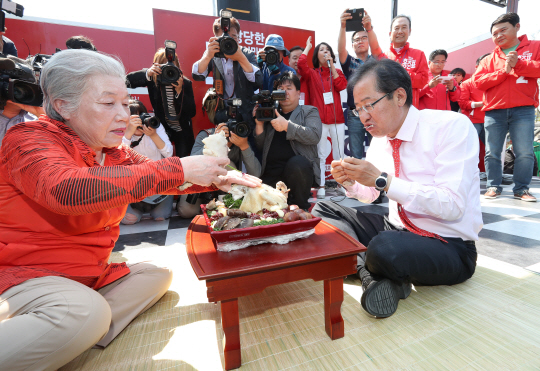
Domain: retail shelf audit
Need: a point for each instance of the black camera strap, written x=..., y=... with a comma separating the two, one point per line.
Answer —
x=137, y=142
x=168, y=96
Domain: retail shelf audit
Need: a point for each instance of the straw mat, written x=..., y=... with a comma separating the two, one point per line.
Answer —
x=491, y=322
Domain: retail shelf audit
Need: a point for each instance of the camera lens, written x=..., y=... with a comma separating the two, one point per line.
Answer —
x=241, y=129
x=150, y=121
x=228, y=45
x=169, y=74
x=272, y=58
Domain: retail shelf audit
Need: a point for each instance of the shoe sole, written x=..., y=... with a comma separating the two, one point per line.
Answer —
x=491, y=197
x=381, y=298
x=519, y=198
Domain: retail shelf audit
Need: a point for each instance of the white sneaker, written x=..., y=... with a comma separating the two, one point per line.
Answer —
x=321, y=193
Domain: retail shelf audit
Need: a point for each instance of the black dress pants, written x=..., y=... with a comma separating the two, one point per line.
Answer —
x=298, y=176
x=400, y=255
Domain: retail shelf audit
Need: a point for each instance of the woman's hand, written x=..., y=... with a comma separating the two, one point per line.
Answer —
x=133, y=124
x=179, y=84
x=308, y=46
x=154, y=70
x=151, y=132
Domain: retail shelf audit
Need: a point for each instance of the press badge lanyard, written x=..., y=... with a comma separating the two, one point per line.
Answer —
x=327, y=96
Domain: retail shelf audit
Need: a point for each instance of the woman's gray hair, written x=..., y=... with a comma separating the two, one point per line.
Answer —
x=68, y=73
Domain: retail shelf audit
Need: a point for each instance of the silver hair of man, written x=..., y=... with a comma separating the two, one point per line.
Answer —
x=67, y=75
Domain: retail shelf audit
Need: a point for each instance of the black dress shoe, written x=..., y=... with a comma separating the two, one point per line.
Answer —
x=381, y=297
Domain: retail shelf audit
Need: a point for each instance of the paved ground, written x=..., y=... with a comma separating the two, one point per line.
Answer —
x=511, y=230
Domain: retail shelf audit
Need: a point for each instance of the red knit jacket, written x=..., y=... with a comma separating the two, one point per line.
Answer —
x=60, y=210
x=318, y=81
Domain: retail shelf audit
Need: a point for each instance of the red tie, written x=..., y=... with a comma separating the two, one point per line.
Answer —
x=401, y=211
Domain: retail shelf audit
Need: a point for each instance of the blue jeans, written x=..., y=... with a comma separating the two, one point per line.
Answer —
x=357, y=135
x=481, y=132
x=519, y=121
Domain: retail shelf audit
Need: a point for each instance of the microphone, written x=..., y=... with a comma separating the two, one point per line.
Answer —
x=328, y=63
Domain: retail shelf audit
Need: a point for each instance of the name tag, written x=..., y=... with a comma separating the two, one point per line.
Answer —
x=328, y=98
x=302, y=98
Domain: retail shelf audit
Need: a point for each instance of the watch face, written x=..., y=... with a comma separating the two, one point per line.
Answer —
x=380, y=182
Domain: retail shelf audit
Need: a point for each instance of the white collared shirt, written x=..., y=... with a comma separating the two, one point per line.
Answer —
x=148, y=148
x=228, y=75
x=438, y=184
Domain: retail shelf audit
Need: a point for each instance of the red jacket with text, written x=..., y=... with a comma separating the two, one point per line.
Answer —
x=319, y=81
x=438, y=97
x=60, y=210
x=469, y=94
x=415, y=62
x=515, y=89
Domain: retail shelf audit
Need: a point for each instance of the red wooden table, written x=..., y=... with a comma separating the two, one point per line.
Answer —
x=329, y=254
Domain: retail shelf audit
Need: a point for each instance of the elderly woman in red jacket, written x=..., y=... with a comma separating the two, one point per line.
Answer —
x=324, y=82
x=65, y=183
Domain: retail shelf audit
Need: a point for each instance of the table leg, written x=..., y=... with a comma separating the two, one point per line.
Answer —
x=231, y=327
x=333, y=297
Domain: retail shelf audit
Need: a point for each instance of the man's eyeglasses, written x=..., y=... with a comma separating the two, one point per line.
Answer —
x=369, y=107
x=362, y=39
x=443, y=62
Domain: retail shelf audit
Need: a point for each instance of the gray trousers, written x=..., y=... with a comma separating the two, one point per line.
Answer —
x=48, y=321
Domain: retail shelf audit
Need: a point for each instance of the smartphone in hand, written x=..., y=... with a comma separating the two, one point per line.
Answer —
x=355, y=24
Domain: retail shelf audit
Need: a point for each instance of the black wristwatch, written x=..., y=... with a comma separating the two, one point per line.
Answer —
x=381, y=181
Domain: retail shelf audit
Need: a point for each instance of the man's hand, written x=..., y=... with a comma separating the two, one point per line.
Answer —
x=366, y=21
x=225, y=129
x=478, y=104
x=154, y=70
x=449, y=84
x=362, y=171
x=279, y=123
x=338, y=172
x=511, y=61
x=236, y=177
x=262, y=55
x=212, y=48
x=240, y=142
x=435, y=81
x=344, y=17
x=253, y=114
x=133, y=123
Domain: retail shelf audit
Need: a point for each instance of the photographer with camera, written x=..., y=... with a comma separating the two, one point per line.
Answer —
x=237, y=132
x=18, y=74
x=234, y=68
x=146, y=136
x=289, y=143
x=171, y=95
x=270, y=60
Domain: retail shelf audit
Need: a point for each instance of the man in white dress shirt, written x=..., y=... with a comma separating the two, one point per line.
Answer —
x=427, y=162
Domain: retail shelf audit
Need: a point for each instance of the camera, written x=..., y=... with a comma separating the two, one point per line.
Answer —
x=272, y=56
x=37, y=62
x=233, y=118
x=170, y=73
x=227, y=45
x=268, y=102
x=17, y=83
x=150, y=121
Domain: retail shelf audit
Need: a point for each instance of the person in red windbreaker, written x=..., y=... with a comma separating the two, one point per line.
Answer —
x=441, y=89
x=413, y=60
x=509, y=78
x=471, y=103
x=324, y=83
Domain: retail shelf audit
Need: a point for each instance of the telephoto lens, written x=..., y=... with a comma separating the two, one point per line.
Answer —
x=150, y=121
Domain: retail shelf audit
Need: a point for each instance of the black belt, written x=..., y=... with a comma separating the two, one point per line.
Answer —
x=470, y=243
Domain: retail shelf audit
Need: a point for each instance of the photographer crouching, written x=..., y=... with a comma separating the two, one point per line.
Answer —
x=237, y=131
x=65, y=183
x=171, y=96
x=146, y=136
x=288, y=140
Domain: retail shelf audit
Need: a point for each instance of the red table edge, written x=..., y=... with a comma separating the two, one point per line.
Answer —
x=199, y=272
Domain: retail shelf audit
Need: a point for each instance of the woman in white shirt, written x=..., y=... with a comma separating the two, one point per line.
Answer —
x=154, y=144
